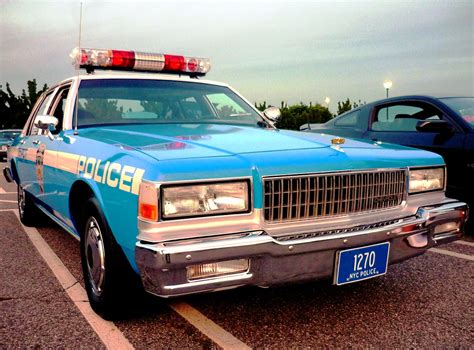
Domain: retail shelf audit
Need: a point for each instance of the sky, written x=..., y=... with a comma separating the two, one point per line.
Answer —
x=293, y=51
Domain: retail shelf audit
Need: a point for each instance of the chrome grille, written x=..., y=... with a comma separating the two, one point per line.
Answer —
x=291, y=198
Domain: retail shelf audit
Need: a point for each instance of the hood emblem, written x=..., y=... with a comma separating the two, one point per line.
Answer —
x=338, y=141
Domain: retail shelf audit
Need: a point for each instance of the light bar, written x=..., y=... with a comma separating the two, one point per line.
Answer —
x=140, y=61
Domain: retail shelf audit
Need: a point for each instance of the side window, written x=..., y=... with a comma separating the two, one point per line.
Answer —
x=349, y=120
x=58, y=106
x=27, y=125
x=403, y=117
x=42, y=110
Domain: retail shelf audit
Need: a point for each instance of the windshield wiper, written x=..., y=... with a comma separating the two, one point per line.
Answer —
x=240, y=114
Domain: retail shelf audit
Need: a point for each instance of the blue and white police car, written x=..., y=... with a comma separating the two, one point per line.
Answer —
x=179, y=185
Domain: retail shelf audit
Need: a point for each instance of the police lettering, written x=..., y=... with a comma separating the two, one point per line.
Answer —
x=126, y=178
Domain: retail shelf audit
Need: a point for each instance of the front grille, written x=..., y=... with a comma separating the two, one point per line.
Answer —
x=291, y=198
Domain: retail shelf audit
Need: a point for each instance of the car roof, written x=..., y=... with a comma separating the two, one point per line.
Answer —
x=97, y=75
x=398, y=99
x=412, y=97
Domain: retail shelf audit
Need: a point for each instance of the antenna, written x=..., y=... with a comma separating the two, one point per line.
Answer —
x=77, y=73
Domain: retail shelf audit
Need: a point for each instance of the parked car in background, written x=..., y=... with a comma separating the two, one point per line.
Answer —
x=443, y=125
x=6, y=137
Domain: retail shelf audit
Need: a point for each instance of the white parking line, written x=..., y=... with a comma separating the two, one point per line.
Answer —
x=110, y=335
x=470, y=244
x=450, y=253
x=213, y=331
x=6, y=201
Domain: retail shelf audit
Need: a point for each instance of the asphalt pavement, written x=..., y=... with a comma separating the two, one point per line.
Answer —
x=425, y=302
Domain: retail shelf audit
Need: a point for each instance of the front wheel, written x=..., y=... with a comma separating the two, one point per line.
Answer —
x=27, y=209
x=110, y=282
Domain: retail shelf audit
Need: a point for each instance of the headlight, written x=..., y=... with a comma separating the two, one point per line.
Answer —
x=422, y=180
x=205, y=199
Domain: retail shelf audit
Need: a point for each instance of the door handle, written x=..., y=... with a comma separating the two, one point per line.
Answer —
x=36, y=142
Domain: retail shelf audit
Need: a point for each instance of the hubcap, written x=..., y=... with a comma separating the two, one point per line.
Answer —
x=95, y=255
x=21, y=201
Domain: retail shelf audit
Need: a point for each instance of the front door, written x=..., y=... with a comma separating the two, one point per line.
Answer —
x=29, y=149
x=396, y=123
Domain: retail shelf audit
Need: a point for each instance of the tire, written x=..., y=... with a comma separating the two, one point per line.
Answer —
x=110, y=282
x=27, y=209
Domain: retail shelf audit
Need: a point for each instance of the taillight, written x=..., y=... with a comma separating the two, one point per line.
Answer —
x=148, y=202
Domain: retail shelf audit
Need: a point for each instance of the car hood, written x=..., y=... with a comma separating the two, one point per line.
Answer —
x=184, y=141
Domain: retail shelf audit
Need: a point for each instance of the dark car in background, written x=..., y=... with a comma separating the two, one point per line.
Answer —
x=443, y=125
x=6, y=137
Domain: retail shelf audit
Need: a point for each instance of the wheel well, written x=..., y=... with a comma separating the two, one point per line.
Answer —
x=78, y=196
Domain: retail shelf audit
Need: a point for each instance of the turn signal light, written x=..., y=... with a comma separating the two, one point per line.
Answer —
x=447, y=227
x=148, y=211
x=148, y=202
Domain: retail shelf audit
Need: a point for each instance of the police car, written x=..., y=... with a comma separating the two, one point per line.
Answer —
x=179, y=185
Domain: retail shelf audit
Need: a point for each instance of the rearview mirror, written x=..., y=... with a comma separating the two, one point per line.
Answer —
x=272, y=113
x=434, y=125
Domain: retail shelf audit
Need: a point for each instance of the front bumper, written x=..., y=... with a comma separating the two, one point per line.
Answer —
x=277, y=261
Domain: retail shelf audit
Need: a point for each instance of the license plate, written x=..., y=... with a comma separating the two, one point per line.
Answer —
x=362, y=263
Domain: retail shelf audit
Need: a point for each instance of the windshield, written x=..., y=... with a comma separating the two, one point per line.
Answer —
x=462, y=105
x=8, y=134
x=133, y=101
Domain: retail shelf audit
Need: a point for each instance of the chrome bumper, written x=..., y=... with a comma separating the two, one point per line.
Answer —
x=274, y=261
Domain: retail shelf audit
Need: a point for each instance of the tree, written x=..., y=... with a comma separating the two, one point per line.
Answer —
x=294, y=116
x=104, y=109
x=347, y=105
x=14, y=110
x=261, y=106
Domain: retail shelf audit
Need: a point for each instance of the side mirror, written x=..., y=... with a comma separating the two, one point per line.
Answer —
x=272, y=113
x=46, y=123
x=434, y=125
